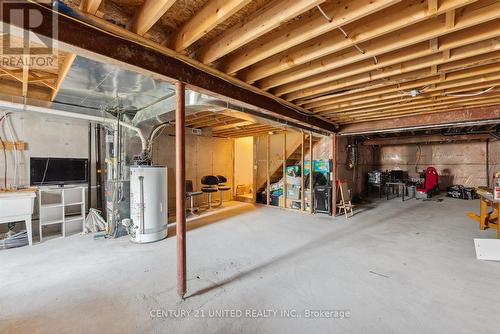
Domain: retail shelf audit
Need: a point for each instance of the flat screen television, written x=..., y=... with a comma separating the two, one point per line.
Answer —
x=58, y=171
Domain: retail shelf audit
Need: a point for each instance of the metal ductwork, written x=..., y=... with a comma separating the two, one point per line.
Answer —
x=18, y=104
x=147, y=101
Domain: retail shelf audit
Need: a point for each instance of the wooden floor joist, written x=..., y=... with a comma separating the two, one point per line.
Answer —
x=398, y=17
x=421, y=78
x=212, y=14
x=421, y=32
x=400, y=100
x=306, y=61
x=77, y=37
x=341, y=13
x=149, y=13
x=406, y=60
x=269, y=18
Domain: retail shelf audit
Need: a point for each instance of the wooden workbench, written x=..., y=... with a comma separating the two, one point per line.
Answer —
x=487, y=219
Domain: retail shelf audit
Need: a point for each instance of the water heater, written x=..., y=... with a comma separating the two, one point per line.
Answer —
x=148, y=203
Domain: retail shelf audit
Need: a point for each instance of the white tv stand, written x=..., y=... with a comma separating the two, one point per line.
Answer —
x=54, y=211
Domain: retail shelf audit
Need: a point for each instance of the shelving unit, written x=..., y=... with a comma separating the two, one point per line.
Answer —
x=56, y=212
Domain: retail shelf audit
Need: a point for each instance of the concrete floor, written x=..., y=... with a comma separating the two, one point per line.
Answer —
x=395, y=267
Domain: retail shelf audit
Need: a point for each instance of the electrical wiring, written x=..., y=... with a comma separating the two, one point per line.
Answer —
x=471, y=94
x=155, y=134
x=45, y=171
x=344, y=33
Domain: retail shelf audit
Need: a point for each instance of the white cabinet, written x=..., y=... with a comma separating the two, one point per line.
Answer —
x=61, y=206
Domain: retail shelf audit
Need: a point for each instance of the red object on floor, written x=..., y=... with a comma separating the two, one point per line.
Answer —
x=431, y=181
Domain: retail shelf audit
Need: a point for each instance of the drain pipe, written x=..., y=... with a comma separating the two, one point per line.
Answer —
x=12, y=106
x=89, y=170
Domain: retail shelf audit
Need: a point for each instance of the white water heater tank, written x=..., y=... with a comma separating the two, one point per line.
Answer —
x=148, y=203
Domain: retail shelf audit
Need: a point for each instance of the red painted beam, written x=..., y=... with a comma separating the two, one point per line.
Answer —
x=426, y=120
x=425, y=139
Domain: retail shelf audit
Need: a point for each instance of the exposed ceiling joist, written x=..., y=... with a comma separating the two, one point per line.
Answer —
x=432, y=102
x=232, y=125
x=415, y=79
x=90, y=6
x=462, y=105
x=342, y=62
x=412, y=35
x=213, y=13
x=404, y=61
x=149, y=13
x=270, y=17
x=390, y=20
x=63, y=71
x=433, y=5
x=394, y=100
x=14, y=88
x=340, y=13
x=450, y=19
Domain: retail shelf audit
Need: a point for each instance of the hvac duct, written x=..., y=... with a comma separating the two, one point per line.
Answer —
x=18, y=107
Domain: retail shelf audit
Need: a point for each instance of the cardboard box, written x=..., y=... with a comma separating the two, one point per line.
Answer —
x=243, y=189
x=290, y=203
x=496, y=193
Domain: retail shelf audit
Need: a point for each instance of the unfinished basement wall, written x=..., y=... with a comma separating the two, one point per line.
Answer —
x=322, y=150
x=456, y=163
x=494, y=159
x=45, y=136
x=243, y=163
x=356, y=177
x=204, y=156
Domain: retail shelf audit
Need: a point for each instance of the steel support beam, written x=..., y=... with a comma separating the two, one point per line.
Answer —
x=180, y=188
x=311, y=174
x=425, y=121
x=334, y=174
x=425, y=139
x=112, y=44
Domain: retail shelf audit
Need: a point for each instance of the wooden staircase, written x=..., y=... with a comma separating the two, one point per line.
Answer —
x=294, y=158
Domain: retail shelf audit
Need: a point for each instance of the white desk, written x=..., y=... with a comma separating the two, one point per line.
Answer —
x=18, y=206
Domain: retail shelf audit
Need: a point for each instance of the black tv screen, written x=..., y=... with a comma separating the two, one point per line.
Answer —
x=58, y=171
